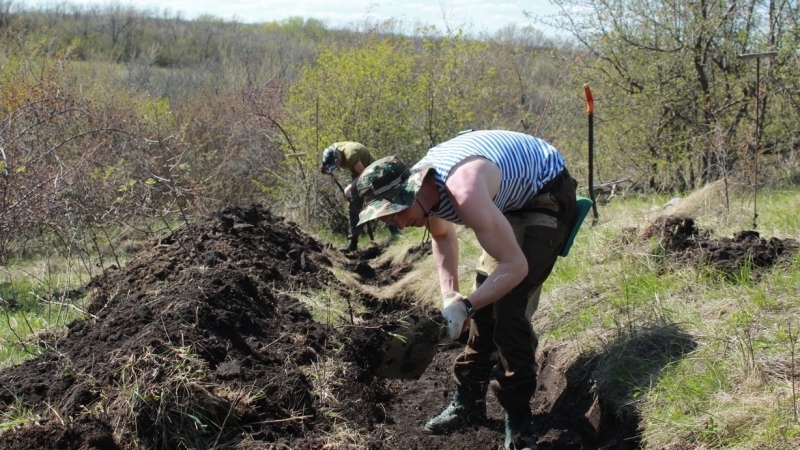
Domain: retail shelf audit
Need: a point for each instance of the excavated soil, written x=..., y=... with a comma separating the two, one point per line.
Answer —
x=746, y=252
x=205, y=340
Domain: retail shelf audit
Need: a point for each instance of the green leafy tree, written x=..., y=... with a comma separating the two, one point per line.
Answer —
x=365, y=94
x=452, y=78
x=675, y=91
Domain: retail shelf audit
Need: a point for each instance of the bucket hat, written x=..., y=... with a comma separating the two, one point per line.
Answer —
x=388, y=187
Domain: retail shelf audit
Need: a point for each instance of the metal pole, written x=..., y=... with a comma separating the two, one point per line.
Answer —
x=757, y=57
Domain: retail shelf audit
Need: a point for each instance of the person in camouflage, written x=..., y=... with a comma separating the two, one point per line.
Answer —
x=354, y=157
x=514, y=192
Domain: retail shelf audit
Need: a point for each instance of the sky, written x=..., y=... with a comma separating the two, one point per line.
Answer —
x=482, y=15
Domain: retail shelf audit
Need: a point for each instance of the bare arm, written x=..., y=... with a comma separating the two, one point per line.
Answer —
x=471, y=186
x=358, y=168
x=445, y=253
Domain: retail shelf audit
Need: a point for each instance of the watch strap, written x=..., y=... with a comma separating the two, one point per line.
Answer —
x=470, y=309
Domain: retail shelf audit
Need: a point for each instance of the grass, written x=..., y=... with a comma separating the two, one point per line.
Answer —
x=181, y=407
x=721, y=377
x=43, y=294
x=328, y=307
x=32, y=303
x=17, y=416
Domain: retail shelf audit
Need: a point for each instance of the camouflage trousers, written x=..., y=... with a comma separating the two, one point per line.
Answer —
x=353, y=209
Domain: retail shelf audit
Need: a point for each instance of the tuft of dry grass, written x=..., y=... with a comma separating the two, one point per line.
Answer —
x=164, y=398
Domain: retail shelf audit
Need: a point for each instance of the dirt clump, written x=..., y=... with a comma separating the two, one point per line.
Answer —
x=205, y=340
x=683, y=242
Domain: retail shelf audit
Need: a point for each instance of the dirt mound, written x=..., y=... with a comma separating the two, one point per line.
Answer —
x=203, y=341
x=682, y=241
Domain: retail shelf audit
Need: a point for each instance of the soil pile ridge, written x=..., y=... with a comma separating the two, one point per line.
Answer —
x=684, y=242
x=196, y=343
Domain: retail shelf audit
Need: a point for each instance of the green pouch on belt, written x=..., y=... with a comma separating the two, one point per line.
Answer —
x=582, y=205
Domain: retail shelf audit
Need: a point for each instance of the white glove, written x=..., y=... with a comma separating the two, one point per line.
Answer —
x=348, y=192
x=455, y=314
x=451, y=298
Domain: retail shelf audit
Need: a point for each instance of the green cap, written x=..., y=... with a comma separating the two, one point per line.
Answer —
x=388, y=187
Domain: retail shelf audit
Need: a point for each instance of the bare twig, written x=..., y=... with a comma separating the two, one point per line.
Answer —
x=68, y=305
x=288, y=419
x=14, y=331
x=561, y=74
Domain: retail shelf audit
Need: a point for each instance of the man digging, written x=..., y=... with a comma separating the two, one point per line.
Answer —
x=514, y=192
x=354, y=157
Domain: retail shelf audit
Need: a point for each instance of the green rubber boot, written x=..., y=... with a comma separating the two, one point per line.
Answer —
x=520, y=434
x=467, y=406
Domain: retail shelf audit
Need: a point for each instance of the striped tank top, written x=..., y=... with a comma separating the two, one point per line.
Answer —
x=526, y=164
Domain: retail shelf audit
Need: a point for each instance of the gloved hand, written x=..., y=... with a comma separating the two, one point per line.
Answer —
x=348, y=192
x=456, y=316
x=451, y=298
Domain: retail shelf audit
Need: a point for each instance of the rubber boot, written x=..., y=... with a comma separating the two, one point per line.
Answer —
x=520, y=434
x=351, y=247
x=467, y=406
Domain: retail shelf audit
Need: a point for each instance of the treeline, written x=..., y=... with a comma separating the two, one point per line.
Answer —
x=678, y=100
x=116, y=118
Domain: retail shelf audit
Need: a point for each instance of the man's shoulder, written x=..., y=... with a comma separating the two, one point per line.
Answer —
x=350, y=145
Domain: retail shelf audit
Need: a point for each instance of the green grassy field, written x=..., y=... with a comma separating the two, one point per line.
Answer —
x=706, y=359
x=36, y=296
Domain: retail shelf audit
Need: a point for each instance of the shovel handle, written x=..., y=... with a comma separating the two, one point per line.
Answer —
x=590, y=110
x=339, y=185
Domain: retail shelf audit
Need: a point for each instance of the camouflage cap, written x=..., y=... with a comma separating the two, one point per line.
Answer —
x=388, y=187
x=330, y=159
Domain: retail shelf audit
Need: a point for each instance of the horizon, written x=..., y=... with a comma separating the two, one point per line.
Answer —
x=478, y=16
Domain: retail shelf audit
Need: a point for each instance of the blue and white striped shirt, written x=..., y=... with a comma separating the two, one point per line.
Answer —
x=526, y=164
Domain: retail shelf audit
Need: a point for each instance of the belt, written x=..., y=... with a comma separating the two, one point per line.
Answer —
x=553, y=184
x=549, y=187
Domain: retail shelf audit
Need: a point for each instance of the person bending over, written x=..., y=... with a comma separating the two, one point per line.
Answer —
x=514, y=191
x=354, y=157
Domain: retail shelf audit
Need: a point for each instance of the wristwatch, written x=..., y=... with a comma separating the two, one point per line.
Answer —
x=470, y=309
